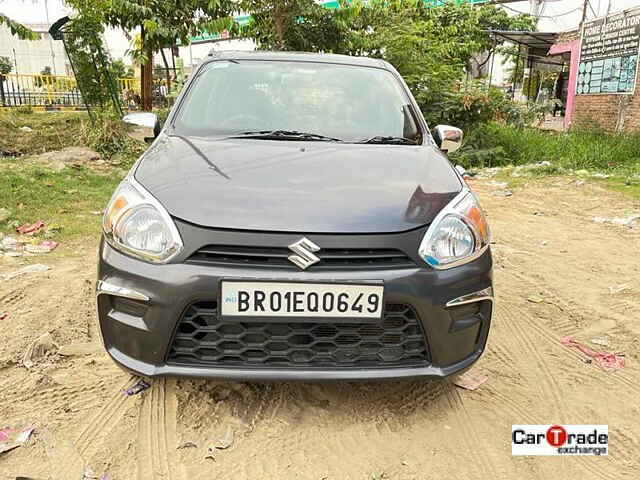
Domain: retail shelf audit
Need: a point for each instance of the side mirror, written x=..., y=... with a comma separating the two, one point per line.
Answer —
x=150, y=126
x=448, y=138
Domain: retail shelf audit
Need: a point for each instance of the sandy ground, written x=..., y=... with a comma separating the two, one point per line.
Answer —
x=553, y=273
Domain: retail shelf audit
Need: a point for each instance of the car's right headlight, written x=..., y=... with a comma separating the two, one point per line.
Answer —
x=458, y=234
x=136, y=223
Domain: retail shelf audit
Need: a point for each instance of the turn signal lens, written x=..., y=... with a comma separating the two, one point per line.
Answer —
x=458, y=234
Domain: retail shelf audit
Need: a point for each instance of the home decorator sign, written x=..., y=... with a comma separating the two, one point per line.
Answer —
x=609, y=54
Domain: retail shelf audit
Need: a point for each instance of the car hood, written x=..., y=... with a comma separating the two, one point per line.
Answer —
x=293, y=186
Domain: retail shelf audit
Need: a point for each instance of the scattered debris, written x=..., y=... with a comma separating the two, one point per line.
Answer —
x=89, y=475
x=626, y=222
x=502, y=193
x=11, y=244
x=96, y=212
x=225, y=441
x=4, y=214
x=3, y=315
x=30, y=229
x=618, y=288
x=45, y=246
x=187, y=445
x=470, y=381
x=26, y=129
x=35, y=268
x=141, y=386
x=43, y=345
x=603, y=342
x=535, y=299
x=607, y=361
x=78, y=349
x=13, y=438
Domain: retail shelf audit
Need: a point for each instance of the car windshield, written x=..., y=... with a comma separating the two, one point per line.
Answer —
x=330, y=101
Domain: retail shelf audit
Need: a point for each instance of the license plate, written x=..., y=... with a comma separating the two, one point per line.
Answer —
x=308, y=300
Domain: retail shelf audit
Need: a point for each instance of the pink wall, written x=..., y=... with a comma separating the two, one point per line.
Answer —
x=573, y=48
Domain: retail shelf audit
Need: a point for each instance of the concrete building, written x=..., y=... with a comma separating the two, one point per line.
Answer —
x=32, y=56
x=604, y=86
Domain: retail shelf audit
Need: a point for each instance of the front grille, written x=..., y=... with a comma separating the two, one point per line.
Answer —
x=202, y=339
x=277, y=257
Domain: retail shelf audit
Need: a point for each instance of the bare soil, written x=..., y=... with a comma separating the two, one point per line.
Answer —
x=557, y=273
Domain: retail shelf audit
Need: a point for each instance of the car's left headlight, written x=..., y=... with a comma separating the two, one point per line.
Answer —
x=458, y=234
x=136, y=223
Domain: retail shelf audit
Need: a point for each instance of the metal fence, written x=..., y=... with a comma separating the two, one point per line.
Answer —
x=54, y=91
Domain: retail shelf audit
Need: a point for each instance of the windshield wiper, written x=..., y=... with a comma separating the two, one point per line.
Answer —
x=285, y=135
x=390, y=140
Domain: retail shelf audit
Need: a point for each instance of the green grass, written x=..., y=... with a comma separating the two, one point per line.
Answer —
x=499, y=145
x=50, y=131
x=623, y=184
x=63, y=199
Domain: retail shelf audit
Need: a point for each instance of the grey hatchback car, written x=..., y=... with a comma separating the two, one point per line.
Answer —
x=294, y=218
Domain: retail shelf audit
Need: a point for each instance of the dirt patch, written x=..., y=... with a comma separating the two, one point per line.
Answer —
x=69, y=156
x=557, y=273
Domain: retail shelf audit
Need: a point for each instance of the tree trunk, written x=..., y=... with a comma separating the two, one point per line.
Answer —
x=279, y=24
x=278, y=21
x=146, y=75
x=166, y=69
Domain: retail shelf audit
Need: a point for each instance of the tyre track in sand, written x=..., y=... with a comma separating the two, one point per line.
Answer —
x=520, y=326
x=469, y=436
x=157, y=433
x=94, y=433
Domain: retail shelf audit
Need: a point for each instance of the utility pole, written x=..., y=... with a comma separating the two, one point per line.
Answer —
x=584, y=13
x=53, y=55
x=534, y=7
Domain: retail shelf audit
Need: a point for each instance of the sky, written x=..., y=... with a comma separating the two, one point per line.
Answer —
x=555, y=15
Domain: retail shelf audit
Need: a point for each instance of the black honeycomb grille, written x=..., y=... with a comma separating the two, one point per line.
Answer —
x=202, y=339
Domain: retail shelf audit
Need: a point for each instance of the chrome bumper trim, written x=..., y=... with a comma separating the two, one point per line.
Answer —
x=111, y=289
x=480, y=295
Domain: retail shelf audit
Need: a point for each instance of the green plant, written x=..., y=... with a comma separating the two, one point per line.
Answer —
x=494, y=144
x=5, y=65
x=24, y=109
x=17, y=29
x=109, y=136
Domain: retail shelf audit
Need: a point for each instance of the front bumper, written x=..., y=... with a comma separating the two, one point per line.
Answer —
x=137, y=331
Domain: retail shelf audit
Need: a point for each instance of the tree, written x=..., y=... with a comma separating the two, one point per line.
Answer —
x=118, y=69
x=161, y=23
x=301, y=25
x=431, y=46
x=22, y=32
x=5, y=68
x=5, y=65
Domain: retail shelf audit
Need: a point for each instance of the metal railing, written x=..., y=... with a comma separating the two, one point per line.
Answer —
x=52, y=90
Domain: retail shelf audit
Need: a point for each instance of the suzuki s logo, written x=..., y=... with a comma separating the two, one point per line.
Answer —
x=304, y=249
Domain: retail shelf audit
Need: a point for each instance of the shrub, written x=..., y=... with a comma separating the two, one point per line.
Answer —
x=24, y=109
x=109, y=136
x=494, y=144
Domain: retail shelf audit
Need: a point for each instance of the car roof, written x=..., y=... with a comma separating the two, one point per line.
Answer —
x=297, y=57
